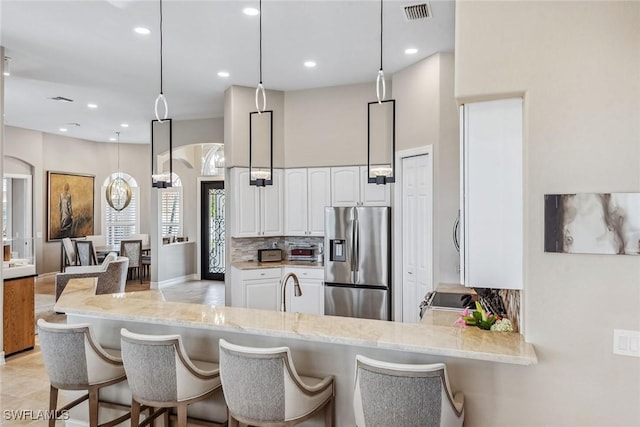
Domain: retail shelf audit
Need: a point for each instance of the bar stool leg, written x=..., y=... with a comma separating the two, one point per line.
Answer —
x=53, y=405
x=166, y=421
x=135, y=413
x=93, y=406
x=182, y=415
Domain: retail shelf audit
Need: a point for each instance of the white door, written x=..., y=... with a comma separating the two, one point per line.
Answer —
x=318, y=197
x=417, y=280
x=295, y=202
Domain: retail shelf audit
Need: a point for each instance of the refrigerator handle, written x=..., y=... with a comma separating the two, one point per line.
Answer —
x=356, y=249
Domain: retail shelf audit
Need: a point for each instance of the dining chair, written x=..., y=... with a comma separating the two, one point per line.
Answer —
x=132, y=249
x=86, y=252
x=98, y=240
x=387, y=394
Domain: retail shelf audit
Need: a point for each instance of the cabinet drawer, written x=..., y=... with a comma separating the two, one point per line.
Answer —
x=262, y=273
x=306, y=273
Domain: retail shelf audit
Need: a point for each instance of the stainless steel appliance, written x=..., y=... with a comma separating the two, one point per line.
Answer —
x=357, y=262
x=269, y=255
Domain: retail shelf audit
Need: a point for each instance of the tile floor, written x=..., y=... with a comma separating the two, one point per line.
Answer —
x=24, y=385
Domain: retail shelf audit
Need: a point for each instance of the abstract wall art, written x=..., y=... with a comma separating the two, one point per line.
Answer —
x=592, y=223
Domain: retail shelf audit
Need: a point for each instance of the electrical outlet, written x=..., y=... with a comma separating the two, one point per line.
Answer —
x=626, y=343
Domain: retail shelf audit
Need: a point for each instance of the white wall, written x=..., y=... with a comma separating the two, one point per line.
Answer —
x=427, y=115
x=578, y=66
x=328, y=126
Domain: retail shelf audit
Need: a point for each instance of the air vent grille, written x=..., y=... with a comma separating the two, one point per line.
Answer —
x=417, y=11
x=61, y=99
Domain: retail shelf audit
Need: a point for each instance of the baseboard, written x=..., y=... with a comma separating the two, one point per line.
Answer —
x=174, y=281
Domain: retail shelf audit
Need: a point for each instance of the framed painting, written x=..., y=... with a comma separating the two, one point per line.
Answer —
x=70, y=202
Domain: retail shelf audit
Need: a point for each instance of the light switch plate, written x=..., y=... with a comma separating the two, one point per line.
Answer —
x=626, y=343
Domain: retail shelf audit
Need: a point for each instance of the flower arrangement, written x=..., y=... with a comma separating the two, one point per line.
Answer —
x=483, y=320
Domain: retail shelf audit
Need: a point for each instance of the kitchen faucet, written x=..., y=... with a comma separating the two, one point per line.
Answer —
x=283, y=286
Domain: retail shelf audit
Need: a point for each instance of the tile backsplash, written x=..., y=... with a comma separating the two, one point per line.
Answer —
x=246, y=249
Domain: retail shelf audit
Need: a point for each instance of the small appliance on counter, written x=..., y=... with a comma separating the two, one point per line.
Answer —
x=269, y=255
x=303, y=252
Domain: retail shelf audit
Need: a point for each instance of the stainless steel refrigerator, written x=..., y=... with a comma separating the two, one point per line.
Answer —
x=357, y=262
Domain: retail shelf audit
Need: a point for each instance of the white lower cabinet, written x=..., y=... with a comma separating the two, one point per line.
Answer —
x=257, y=288
x=312, y=285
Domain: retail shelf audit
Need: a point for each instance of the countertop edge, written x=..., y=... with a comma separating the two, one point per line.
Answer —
x=79, y=299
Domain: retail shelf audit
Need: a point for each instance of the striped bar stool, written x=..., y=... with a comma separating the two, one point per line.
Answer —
x=262, y=388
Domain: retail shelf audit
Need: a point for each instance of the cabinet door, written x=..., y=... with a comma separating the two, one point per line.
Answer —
x=245, y=205
x=319, y=197
x=373, y=194
x=18, y=315
x=345, y=186
x=271, y=206
x=295, y=202
x=312, y=285
x=261, y=294
x=492, y=208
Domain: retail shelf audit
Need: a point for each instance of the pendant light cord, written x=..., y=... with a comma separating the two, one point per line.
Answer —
x=161, y=77
x=381, y=28
x=380, y=84
x=260, y=88
x=161, y=97
x=260, y=41
x=118, y=138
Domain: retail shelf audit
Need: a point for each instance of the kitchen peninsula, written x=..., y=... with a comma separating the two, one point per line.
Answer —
x=320, y=345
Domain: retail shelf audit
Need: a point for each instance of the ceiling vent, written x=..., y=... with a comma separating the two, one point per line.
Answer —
x=416, y=12
x=73, y=124
x=61, y=99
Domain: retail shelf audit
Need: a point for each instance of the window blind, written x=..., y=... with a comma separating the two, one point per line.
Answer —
x=171, y=211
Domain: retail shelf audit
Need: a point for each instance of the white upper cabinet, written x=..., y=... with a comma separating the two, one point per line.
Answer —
x=492, y=194
x=307, y=192
x=349, y=187
x=256, y=211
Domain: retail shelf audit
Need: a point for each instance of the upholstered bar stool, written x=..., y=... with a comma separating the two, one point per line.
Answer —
x=162, y=376
x=388, y=394
x=74, y=360
x=262, y=388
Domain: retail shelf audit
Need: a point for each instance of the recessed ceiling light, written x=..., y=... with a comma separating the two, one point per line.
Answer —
x=92, y=105
x=223, y=74
x=309, y=64
x=124, y=125
x=63, y=129
x=251, y=11
x=112, y=139
x=411, y=51
x=142, y=30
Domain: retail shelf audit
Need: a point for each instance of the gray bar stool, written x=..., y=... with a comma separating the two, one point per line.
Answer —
x=162, y=376
x=388, y=394
x=74, y=360
x=262, y=388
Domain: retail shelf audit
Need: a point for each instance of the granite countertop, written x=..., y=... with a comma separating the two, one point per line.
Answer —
x=252, y=265
x=436, y=335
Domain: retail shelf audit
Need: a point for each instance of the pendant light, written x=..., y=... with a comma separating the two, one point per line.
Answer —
x=261, y=176
x=381, y=115
x=118, y=191
x=161, y=98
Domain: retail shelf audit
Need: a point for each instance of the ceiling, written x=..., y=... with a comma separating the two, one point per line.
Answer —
x=87, y=51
